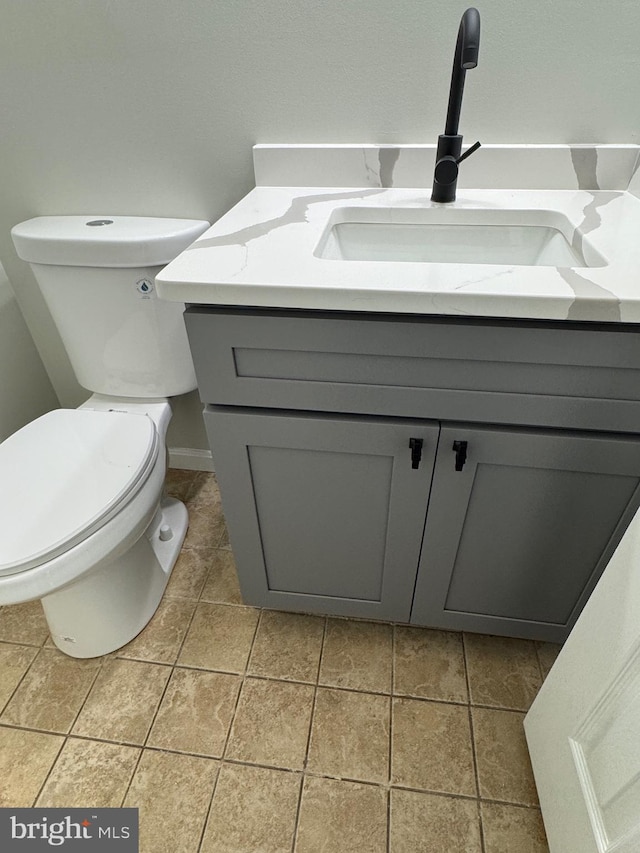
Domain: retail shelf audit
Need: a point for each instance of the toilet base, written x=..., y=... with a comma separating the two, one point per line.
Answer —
x=107, y=608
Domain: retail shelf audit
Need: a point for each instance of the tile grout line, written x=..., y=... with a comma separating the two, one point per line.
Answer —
x=294, y=838
x=67, y=735
x=247, y=665
x=303, y=775
x=20, y=680
x=261, y=677
x=205, y=822
x=473, y=743
x=23, y=645
x=65, y=738
x=390, y=752
x=222, y=759
x=309, y=773
x=103, y=660
x=316, y=685
x=542, y=675
x=243, y=676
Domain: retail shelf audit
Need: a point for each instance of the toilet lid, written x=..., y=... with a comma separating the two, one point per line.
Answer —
x=63, y=476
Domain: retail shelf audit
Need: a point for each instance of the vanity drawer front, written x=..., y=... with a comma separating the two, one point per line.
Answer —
x=562, y=375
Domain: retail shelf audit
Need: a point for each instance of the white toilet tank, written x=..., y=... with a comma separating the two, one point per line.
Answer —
x=96, y=274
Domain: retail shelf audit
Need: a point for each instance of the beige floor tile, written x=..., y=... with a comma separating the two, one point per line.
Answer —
x=52, y=692
x=89, y=773
x=503, y=672
x=123, y=701
x=196, y=712
x=350, y=736
x=220, y=637
x=14, y=662
x=512, y=829
x=162, y=638
x=287, y=646
x=271, y=725
x=205, y=491
x=25, y=760
x=429, y=664
x=547, y=654
x=504, y=768
x=342, y=817
x=179, y=483
x=224, y=541
x=206, y=525
x=189, y=574
x=172, y=793
x=23, y=623
x=357, y=655
x=254, y=809
x=221, y=584
x=426, y=823
x=431, y=747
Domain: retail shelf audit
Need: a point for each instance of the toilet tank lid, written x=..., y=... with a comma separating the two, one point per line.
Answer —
x=104, y=241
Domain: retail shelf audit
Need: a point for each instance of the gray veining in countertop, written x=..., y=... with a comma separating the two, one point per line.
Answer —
x=265, y=251
x=585, y=163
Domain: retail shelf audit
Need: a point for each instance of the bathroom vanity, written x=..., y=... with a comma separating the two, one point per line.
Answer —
x=450, y=444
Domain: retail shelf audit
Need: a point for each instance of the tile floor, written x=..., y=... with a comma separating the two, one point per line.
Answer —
x=236, y=730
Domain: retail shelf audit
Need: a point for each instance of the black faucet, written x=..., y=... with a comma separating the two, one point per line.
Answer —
x=448, y=155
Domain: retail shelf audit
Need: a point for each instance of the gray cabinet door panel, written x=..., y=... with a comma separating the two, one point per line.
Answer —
x=325, y=514
x=515, y=542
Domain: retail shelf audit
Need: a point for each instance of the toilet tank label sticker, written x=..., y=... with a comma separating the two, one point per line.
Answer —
x=145, y=288
x=86, y=830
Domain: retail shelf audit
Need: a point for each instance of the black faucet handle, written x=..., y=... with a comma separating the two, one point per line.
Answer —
x=446, y=171
x=469, y=152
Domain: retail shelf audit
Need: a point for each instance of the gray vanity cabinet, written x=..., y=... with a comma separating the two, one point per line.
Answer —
x=310, y=417
x=325, y=513
x=515, y=541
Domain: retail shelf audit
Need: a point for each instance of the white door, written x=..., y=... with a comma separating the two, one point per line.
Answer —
x=583, y=729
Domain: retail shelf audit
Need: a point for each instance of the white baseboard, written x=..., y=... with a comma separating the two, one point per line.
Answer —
x=190, y=458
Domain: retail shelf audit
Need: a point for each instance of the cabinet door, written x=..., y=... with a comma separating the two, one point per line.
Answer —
x=325, y=514
x=515, y=541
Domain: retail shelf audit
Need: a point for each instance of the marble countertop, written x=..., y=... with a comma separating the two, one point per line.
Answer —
x=263, y=252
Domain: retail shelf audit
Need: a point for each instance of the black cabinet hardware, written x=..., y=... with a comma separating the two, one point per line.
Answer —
x=460, y=448
x=416, y=451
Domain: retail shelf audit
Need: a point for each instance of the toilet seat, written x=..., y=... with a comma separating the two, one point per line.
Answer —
x=64, y=475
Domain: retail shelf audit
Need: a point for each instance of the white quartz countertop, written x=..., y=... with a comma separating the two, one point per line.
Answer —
x=264, y=253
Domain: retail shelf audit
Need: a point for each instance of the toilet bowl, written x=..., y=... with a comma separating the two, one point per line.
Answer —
x=85, y=527
x=84, y=524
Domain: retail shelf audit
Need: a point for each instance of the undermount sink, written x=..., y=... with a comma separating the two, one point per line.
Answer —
x=454, y=236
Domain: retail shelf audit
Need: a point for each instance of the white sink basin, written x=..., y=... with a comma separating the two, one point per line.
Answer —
x=454, y=236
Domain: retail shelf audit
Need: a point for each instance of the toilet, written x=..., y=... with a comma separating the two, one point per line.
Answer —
x=84, y=524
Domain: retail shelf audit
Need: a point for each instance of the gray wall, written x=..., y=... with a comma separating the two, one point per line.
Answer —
x=25, y=390
x=151, y=107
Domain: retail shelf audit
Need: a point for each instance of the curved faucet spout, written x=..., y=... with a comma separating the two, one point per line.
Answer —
x=466, y=57
x=448, y=153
